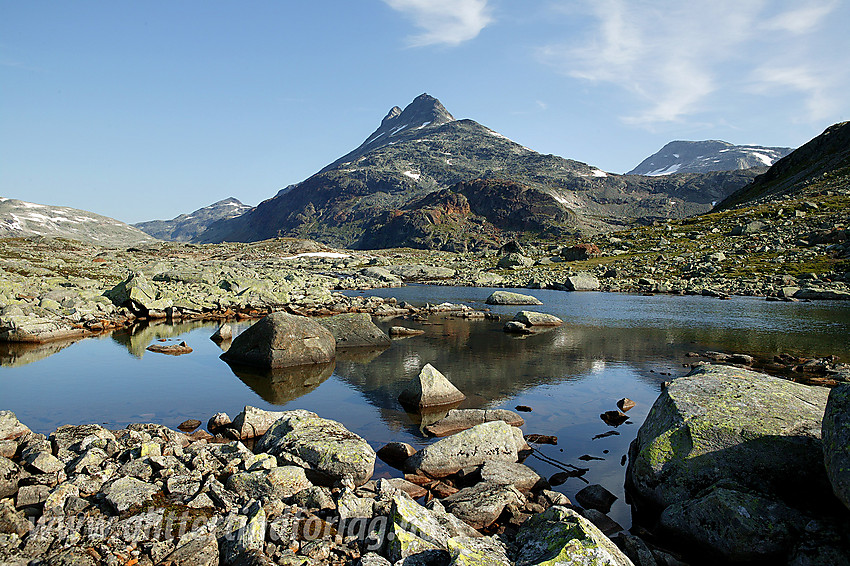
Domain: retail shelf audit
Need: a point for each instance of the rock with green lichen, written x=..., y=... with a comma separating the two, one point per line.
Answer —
x=562, y=536
x=326, y=450
x=736, y=526
x=278, y=483
x=477, y=551
x=836, y=441
x=721, y=422
x=355, y=330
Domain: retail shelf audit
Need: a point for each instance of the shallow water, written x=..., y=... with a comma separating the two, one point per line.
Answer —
x=610, y=346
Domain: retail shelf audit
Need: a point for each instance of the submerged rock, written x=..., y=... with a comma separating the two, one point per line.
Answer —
x=430, y=389
x=723, y=422
x=282, y=340
x=509, y=298
x=355, y=330
x=401, y=331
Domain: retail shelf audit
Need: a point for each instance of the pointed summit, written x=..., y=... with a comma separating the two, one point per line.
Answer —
x=424, y=112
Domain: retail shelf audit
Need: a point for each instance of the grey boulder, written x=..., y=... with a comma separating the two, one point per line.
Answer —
x=509, y=298
x=430, y=389
x=355, y=330
x=836, y=441
x=282, y=340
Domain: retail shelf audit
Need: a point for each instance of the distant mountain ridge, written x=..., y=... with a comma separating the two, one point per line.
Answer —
x=21, y=219
x=704, y=156
x=423, y=148
x=186, y=227
x=814, y=166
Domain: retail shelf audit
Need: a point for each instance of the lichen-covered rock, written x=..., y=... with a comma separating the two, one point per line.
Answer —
x=477, y=551
x=138, y=293
x=67, y=440
x=126, y=492
x=282, y=340
x=737, y=526
x=493, y=441
x=324, y=448
x=836, y=441
x=36, y=329
x=196, y=551
x=562, y=536
x=355, y=330
x=253, y=422
x=723, y=422
x=509, y=298
x=532, y=318
x=480, y=505
x=10, y=427
x=10, y=474
x=278, y=482
x=414, y=530
x=430, y=389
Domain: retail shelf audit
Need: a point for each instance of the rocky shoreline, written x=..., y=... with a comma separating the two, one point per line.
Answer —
x=730, y=466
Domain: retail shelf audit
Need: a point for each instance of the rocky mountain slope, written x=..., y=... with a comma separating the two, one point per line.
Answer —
x=820, y=164
x=186, y=227
x=22, y=219
x=423, y=149
x=705, y=156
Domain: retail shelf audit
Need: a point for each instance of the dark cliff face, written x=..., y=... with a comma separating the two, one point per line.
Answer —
x=827, y=155
x=423, y=149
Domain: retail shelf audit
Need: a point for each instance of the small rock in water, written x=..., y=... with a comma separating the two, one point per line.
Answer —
x=541, y=439
x=223, y=334
x=401, y=331
x=596, y=497
x=515, y=327
x=588, y=458
x=606, y=434
x=218, y=422
x=430, y=389
x=613, y=418
x=189, y=425
x=172, y=350
x=625, y=404
x=523, y=408
x=395, y=453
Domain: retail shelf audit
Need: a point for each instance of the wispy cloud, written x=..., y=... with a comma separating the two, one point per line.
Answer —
x=675, y=58
x=446, y=22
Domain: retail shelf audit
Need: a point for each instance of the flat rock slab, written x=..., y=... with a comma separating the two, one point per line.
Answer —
x=509, y=298
x=170, y=349
x=282, y=340
x=532, y=318
x=514, y=474
x=496, y=441
x=355, y=330
x=457, y=420
x=279, y=482
x=721, y=422
x=127, y=492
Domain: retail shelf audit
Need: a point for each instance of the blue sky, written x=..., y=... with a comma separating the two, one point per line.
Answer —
x=143, y=110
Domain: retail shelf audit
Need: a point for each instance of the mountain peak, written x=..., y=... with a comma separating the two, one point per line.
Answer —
x=682, y=156
x=424, y=111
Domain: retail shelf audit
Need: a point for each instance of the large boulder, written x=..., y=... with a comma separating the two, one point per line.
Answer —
x=582, y=282
x=282, y=340
x=36, y=329
x=326, y=450
x=481, y=504
x=430, y=389
x=509, y=298
x=562, y=536
x=737, y=526
x=253, y=422
x=514, y=260
x=836, y=441
x=353, y=330
x=722, y=422
x=493, y=441
x=139, y=294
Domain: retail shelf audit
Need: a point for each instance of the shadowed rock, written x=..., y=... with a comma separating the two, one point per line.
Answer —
x=355, y=330
x=282, y=340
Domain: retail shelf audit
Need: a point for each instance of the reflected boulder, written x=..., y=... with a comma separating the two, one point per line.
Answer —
x=282, y=340
x=281, y=385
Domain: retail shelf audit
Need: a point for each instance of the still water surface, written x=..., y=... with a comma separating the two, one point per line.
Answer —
x=611, y=346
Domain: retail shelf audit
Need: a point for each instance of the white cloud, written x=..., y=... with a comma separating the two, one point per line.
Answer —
x=447, y=22
x=677, y=59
